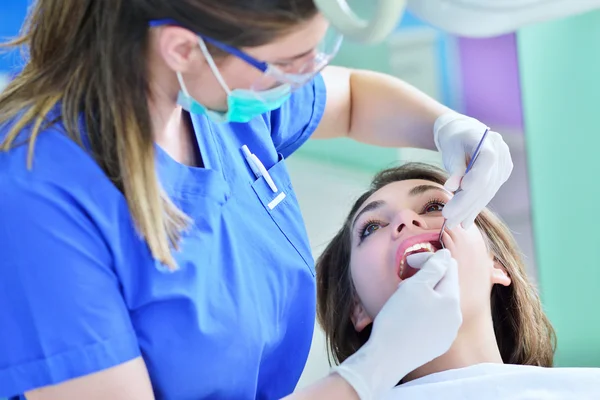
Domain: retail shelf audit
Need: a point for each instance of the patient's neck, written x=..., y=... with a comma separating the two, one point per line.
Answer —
x=474, y=344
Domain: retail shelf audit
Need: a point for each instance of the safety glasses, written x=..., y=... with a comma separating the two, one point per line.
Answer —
x=294, y=73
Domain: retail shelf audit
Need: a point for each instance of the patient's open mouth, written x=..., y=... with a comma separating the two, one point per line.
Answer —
x=417, y=244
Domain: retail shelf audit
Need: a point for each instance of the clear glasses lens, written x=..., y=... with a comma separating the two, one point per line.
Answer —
x=301, y=71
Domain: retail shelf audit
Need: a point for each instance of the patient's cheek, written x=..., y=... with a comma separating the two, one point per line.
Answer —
x=374, y=276
x=474, y=269
x=373, y=293
x=470, y=247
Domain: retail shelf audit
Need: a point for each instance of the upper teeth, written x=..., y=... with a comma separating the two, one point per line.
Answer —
x=415, y=247
x=426, y=246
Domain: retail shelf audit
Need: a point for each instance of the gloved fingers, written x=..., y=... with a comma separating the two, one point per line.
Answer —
x=493, y=166
x=433, y=270
x=470, y=219
x=482, y=172
x=480, y=203
x=502, y=150
x=446, y=119
x=456, y=169
x=448, y=286
x=506, y=165
x=448, y=123
x=417, y=260
x=468, y=202
x=459, y=207
x=479, y=177
x=453, y=183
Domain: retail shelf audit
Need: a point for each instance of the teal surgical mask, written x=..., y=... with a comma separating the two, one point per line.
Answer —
x=243, y=105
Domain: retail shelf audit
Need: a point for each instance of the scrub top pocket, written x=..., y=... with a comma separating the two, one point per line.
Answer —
x=283, y=208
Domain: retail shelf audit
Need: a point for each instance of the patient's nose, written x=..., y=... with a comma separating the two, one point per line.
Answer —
x=406, y=219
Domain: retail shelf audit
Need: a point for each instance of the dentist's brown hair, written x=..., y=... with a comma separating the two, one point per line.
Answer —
x=523, y=332
x=88, y=59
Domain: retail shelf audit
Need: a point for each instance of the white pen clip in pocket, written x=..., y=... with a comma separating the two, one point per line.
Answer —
x=259, y=170
x=280, y=197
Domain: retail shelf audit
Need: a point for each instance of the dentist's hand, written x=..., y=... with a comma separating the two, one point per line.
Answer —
x=456, y=137
x=418, y=323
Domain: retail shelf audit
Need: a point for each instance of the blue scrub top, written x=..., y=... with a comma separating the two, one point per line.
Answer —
x=80, y=291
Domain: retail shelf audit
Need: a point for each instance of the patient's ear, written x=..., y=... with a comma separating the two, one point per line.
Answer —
x=359, y=317
x=499, y=274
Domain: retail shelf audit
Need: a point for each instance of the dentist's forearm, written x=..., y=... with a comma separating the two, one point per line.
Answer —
x=331, y=387
x=387, y=111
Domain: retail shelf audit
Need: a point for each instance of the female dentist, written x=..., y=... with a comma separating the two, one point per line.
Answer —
x=152, y=244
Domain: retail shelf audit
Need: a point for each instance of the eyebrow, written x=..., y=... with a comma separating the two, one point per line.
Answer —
x=416, y=191
x=374, y=205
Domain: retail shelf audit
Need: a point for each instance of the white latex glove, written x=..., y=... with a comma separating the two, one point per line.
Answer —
x=456, y=137
x=417, y=324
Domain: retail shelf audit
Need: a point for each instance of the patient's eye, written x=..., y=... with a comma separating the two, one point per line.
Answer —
x=368, y=228
x=433, y=206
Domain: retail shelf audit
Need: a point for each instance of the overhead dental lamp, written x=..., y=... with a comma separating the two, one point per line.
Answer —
x=469, y=18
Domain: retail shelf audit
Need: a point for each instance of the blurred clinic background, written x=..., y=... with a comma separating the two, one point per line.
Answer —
x=540, y=88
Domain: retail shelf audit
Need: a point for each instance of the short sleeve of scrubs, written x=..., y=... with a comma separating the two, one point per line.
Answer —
x=297, y=119
x=62, y=312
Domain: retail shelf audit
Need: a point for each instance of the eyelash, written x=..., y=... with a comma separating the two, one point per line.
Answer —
x=368, y=223
x=364, y=226
x=433, y=202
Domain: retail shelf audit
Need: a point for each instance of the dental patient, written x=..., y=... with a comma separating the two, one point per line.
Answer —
x=505, y=341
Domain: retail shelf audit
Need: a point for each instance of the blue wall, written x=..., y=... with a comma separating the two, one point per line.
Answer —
x=12, y=15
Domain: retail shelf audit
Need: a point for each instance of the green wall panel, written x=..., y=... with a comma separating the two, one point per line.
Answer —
x=560, y=77
x=350, y=154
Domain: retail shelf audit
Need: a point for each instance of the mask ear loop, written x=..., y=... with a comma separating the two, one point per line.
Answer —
x=182, y=84
x=213, y=66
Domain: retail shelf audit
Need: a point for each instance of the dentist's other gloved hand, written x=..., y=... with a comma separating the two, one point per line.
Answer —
x=456, y=137
x=418, y=323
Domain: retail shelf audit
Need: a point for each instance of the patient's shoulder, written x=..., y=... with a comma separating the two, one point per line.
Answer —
x=503, y=381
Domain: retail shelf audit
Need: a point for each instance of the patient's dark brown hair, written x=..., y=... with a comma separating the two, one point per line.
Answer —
x=523, y=332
